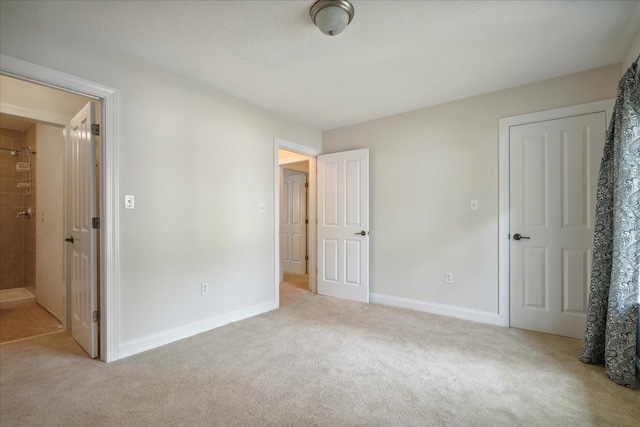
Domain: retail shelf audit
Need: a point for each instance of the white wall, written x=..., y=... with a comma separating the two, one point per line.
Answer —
x=183, y=154
x=632, y=53
x=426, y=166
x=50, y=289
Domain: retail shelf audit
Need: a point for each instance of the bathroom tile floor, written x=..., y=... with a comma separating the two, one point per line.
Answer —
x=25, y=321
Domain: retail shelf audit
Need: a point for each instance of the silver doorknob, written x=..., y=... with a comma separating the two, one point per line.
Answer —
x=362, y=233
x=518, y=237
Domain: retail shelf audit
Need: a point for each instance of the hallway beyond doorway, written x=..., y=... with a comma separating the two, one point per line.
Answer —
x=298, y=280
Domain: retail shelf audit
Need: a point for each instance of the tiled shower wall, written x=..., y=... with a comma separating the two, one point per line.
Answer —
x=17, y=235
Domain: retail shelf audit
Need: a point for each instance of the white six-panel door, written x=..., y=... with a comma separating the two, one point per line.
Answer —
x=82, y=209
x=553, y=179
x=343, y=225
x=293, y=228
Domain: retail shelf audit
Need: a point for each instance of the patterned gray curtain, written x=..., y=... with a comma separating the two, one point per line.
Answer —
x=612, y=318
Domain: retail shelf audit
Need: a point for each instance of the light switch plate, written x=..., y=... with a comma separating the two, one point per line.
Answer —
x=262, y=208
x=129, y=202
x=474, y=205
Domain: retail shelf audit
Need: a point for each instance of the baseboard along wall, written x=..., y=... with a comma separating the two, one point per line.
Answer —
x=157, y=340
x=441, y=309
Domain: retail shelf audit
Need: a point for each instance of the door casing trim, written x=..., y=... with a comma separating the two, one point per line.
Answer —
x=109, y=185
x=504, y=125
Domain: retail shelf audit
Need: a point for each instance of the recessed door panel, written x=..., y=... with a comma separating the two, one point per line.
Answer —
x=352, y=262
x=330, y=264
x=296, y=247
x=352, y=193
x=296, y=209
x=329, y=202
x=576, y=273
x=576, y=172
x=534, y=190
x=535, y=278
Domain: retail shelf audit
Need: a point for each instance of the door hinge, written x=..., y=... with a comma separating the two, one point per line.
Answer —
x=306, y=221
x=306, y=184
x=306, y=257
x=95, y=222
x=95, y=129
x=96, y=316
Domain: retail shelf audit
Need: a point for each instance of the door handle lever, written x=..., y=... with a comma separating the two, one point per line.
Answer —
x=361, y=233
x=519, y=236
x=69, y=239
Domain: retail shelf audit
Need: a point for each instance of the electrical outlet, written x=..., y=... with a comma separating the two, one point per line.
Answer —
x=448, y=277
x=204, y=288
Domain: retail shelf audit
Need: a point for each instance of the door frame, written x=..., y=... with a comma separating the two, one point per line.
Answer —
x=109, y=185
x=504, y=125
x=279, y=143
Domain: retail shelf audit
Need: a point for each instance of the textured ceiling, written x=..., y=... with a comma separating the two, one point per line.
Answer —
x=395, y=56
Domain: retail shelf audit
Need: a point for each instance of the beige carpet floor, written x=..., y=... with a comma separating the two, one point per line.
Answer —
x=319, y=361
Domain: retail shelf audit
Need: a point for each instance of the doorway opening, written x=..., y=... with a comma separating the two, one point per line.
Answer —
x=294, y=219
x=34, y=279
x=299, y=163
x=27, y=309
x=36, y=283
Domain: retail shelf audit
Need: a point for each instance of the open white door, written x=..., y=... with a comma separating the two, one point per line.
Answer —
x=343, y=225
x=81, y=162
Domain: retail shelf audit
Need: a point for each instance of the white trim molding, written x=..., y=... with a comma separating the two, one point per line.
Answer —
x=440, y=309
x=296, y=148
x=166, y=337
x=35, y=115
x=109, y=289
x=504, y=125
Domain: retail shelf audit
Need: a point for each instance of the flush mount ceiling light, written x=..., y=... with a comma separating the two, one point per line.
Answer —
x=331, y=16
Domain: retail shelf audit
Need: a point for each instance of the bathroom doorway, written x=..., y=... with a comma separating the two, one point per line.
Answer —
x=34, y=296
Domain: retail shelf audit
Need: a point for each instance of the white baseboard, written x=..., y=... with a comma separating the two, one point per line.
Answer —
x=157, y=340
x=441, y=309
